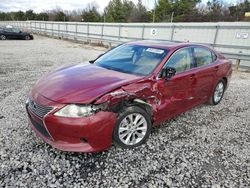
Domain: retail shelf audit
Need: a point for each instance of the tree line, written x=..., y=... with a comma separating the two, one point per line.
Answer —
x=128, y=11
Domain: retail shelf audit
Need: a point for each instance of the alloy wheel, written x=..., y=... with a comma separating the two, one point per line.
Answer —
x=132, y=129
x=27, y=37
x=3, y=37
x=218, y=93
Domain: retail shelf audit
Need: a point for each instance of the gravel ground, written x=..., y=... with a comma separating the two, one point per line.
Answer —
x=205, y=147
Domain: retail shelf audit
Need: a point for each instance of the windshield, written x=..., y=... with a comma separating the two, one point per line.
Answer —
x=132, y=59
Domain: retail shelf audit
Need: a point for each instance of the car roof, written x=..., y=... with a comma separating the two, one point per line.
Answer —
x=8, y=26
x=163, y=44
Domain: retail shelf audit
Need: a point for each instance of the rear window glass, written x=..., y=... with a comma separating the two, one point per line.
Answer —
x=203, y=56
x=8, y=29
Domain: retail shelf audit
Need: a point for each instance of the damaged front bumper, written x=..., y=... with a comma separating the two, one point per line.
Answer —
x=87, y=134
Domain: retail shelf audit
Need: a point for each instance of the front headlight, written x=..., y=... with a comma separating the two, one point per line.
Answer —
x=74, y=111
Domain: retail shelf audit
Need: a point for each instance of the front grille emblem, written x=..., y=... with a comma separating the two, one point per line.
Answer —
x=39, y=110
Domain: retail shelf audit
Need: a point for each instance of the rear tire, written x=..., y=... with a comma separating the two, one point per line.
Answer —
x=3, y=37
x=132, y=128
x=218, y=93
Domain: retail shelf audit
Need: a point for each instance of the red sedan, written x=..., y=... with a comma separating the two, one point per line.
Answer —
x=118, y=97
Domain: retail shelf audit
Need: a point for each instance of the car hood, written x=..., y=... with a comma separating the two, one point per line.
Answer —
x=82, y=83
x=24, y=33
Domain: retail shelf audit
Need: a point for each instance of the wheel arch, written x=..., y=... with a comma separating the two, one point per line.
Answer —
x=134, y=102
x=130, y=107
x=225, y=80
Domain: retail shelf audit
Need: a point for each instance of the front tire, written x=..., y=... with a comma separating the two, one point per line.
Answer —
x=27, y=37
x=3, y=37
x=132, y=128
x=218, y=93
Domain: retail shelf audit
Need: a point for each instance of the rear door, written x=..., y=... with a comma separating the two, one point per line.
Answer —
x=8, y=33
x=13, y=33
x=178, y=93
x=207, y=66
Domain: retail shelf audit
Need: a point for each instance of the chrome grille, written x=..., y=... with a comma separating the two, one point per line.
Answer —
x=38, y=109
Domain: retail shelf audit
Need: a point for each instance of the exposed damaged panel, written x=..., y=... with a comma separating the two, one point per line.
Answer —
x=162, y=99
x=141, y=93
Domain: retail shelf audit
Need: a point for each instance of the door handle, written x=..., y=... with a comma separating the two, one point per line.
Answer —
x=192, y=76
x=216, y=68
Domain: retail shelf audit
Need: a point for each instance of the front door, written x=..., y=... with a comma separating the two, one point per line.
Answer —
x=178, y=94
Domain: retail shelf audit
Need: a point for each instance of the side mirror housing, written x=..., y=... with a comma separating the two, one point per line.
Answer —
x=168, y=72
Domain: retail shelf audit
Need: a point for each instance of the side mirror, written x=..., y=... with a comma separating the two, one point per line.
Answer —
x=168, y=72
x=20, y=31
x=92, y=61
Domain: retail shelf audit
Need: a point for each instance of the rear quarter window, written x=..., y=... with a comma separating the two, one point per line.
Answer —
x=214, y=56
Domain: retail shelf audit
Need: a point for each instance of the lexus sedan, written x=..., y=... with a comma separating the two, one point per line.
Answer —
x=14, y=33
x=118, y=97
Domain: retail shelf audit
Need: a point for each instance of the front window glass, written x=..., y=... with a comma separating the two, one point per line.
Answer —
x=15, y=30
x=132, y=59
x=181, y=60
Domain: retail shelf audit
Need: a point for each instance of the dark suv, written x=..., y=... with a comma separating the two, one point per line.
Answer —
x=14, y=33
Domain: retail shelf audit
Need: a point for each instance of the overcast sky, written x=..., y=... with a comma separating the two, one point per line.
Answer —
x=41, y=5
